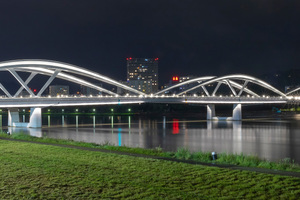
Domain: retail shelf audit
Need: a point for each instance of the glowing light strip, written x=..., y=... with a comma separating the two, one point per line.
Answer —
x=67, y=104
x=234, y=102
x=67, y=67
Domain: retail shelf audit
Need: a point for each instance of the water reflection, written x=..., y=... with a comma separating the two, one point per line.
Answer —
x=272, y=140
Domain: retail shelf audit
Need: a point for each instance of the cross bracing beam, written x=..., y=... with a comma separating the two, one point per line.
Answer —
x=19, y=79
x=48, y=82
x=233, y=83
x=216, y=89
x=68, y=68
x=231, y=88
x=205, y=90
x=242, y=89
x=5, y=91
x=30, y=77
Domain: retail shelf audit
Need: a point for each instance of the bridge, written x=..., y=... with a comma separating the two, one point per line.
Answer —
x=238, y=85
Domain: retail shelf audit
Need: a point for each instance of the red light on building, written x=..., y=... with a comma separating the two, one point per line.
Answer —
x=34, y=90
x=175, y=78
x=129, y=58
x=156, y=59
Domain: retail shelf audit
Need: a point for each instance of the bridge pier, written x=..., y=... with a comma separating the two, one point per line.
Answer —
x=211, y=111
x=236, y=113
x=35, y=120
x=13, y=116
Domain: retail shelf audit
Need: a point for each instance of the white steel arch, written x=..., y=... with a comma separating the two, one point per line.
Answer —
x=199, y=79
x=55, y=69
x=237, y=77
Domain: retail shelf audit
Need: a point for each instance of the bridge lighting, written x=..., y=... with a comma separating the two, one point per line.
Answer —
x=76, y=110
x=264, y=96
x=129, y=110
x=48, y=110
x=195, y=95
x=220, y=95
x=94, y=110
x=112, y=110
x=202, y=95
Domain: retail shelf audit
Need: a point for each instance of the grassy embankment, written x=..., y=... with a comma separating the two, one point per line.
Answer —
x=223, y=158
x=29, y=171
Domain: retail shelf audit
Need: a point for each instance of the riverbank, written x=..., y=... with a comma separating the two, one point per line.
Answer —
x=41, y=171
x=181, y=154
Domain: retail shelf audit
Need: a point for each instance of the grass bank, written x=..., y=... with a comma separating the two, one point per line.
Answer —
x=35, y=171
x=223, y=158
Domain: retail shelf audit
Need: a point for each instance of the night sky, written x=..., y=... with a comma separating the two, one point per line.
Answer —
x=190, y=37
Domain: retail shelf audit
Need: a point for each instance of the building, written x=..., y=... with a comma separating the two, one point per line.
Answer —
x=142, y=74
x=57, y=90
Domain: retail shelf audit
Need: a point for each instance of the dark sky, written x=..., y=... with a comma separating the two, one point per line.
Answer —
x=190, y=37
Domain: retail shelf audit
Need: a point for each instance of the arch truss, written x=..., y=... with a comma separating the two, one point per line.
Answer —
x=232, y=81
x=59, y=70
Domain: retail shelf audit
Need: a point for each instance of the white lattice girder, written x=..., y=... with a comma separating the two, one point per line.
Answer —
x=64, y=67
x=239, y=77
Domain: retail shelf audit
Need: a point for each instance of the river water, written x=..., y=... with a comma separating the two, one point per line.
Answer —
x=271, y=139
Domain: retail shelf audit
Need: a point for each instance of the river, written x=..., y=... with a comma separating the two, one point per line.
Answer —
x=271, y=139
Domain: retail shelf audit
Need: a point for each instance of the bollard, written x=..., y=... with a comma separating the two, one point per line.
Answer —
x=214, y=155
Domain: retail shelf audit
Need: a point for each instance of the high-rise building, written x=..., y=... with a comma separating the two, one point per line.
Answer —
x=142, y=74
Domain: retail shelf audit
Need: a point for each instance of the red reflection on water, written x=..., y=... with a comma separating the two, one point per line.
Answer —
x=175, y=126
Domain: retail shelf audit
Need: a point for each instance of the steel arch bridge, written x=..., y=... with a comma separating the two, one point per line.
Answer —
x=237, y=84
